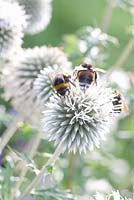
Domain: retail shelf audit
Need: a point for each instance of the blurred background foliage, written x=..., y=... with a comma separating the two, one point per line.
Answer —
x=111, y=166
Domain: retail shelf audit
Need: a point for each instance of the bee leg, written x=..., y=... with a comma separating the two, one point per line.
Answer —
x=95, y=78
x=73, y=83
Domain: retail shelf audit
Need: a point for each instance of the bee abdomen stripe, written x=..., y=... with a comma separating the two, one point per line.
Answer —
x=62, y=85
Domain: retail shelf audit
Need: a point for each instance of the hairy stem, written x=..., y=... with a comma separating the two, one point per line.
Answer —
x=34, y=183
x=107, y=15
x=9, y=133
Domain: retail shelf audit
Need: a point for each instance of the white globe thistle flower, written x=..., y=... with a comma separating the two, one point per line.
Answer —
x=39, y=13
x=80, y=119
x=18, y=78
x=43, y=86
x=12, y=23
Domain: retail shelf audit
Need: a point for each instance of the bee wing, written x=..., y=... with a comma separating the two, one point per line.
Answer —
x=100, y=70
x=124, y=105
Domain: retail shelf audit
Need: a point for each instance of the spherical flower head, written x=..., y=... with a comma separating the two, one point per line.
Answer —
x=80, y=119
x=43, y=85
x=39, y=13
x=12, y=23
x=19, y=76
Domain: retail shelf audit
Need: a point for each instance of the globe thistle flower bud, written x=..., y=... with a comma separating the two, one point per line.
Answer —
x=19, y=76
x=39, y=13
x=12, y=23
x=80, y=119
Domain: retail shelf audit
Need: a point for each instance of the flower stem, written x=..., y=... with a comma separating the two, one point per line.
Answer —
x=107, y=15
x=123, y=57
x=32, y=152
x=60, y=149
x=9, y=133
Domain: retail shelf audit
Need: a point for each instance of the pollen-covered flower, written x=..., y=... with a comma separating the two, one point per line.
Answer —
x=19, y=76
x=12, y=23
x=39, y=13
x=80, y=119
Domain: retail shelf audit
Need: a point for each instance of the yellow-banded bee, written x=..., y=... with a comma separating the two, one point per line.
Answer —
x=86, y=75
x=119, y=103
x=61, y=83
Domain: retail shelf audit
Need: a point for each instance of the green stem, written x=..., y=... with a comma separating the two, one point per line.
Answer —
x=9, y=133
x=123, y=57
x=32, y=152
x=107, y=15
x=34, y=183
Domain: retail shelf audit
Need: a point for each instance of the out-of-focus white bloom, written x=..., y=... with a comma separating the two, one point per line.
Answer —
x=80, y=119
x=101, y=185
x=127, y=5
x=120, y=78
x=91, y=41
x=119, y=170
x=19, y=76
x=39, y=13
x=12, y=24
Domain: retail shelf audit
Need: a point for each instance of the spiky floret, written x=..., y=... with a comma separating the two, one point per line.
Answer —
x=19, y=76
x=80, y=119
x=43, y=85
x=39, y=13
x=12, y=24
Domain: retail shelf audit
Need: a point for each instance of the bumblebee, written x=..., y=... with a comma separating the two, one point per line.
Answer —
x=86, y=75
x=119, y=103
x=61, y=83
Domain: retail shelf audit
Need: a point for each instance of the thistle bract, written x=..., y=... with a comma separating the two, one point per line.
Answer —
x=80, y=119
x=39, y=14
x=12, y=23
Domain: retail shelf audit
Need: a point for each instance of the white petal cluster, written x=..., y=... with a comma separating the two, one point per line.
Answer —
x=12, y=24
x=80, y=119
x=39, y=13
x=115, y=195
x=19, y=76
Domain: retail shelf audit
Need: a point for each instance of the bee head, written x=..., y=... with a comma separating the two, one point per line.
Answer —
x=87, y=66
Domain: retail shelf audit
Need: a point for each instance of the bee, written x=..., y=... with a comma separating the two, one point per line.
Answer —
x=61, y=83
x=119, y=102
x=86, y=75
